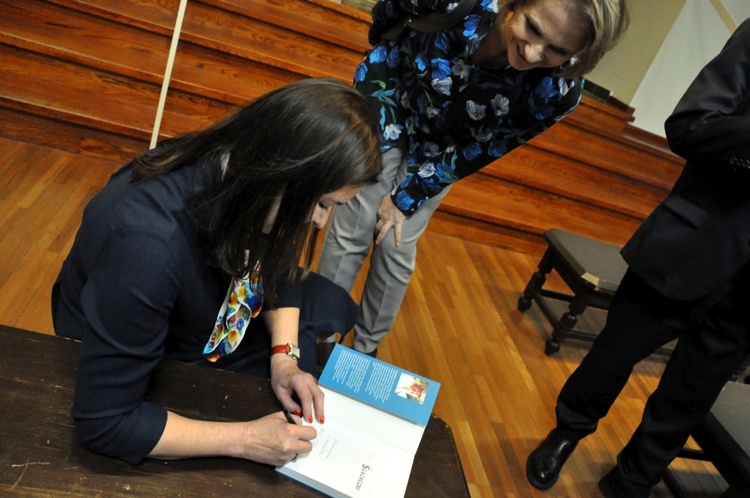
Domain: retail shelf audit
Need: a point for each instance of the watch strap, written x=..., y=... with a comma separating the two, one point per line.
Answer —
x=288, y=349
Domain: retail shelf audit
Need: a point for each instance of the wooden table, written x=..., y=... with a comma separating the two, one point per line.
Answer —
x=40, y=454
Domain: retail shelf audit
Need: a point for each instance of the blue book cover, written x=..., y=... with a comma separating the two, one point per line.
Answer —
x=380, y=384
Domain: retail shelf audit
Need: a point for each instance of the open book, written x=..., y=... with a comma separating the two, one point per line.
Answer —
x=376, y=414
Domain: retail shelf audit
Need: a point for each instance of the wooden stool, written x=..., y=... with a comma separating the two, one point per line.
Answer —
x=593, y=271
x=590, y=268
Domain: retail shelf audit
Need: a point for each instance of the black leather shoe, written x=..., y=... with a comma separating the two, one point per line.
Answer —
x=545, y=462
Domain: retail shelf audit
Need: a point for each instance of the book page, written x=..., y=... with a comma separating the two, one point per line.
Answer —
x=346, y=462
x=377, y=424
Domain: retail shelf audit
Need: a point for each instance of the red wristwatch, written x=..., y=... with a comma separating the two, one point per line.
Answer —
x=288, y=349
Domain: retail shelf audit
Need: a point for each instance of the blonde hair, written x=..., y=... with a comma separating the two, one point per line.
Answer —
x=603, y=22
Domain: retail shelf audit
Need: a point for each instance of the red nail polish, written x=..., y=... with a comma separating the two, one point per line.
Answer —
x=297, y=412
x=322, y=419
x=309, y=419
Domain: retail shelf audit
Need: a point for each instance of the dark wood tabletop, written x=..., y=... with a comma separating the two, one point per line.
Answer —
x=40, y=454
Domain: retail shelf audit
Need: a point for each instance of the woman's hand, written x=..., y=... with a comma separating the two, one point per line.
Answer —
x=389, y=216
x=275, y=441
x=287, y=379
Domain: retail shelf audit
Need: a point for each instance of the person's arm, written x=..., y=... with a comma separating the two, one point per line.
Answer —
x=712, y=119
x=271, y=439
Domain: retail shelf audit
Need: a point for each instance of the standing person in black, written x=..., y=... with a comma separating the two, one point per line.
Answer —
x=688, y=279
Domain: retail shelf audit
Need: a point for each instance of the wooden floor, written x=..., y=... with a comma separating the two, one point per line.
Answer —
x=458, y=325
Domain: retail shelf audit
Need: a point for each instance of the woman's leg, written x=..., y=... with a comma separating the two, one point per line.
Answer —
x=350, y=234
x=351, y=228
x=391, y=268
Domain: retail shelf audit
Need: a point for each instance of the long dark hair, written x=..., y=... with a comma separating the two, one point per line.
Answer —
x=295, y=144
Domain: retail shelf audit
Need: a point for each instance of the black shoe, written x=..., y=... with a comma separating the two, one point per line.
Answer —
x=545, y=462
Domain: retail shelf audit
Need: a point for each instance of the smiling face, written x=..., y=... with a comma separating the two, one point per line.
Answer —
x=542, y=33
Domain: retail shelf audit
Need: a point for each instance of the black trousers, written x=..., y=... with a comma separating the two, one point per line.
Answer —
x=713, y=340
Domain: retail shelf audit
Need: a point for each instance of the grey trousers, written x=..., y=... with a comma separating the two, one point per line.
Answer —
x=351, y=233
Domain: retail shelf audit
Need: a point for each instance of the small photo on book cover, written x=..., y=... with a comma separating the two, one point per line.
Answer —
x=412, y=388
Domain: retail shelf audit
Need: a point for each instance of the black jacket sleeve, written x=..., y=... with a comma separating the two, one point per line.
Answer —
x=712, y=120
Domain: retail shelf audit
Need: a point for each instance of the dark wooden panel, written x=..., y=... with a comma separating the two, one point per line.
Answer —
x=38, y=376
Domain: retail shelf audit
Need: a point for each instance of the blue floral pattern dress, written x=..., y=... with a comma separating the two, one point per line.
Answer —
x=450, y=116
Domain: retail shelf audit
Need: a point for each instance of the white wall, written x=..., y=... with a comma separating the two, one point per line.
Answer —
x=696, y=37
x=738, y=9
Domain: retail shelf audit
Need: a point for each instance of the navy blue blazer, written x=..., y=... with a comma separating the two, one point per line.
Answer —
x=698, y=238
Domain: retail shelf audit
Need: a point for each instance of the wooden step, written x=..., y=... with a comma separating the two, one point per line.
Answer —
x=79, y=94
x=240, y=35
x=111, y=46
x=557, y=174
x=521, y=212
x=611, y=153
x=67, y=136
x=323, y=20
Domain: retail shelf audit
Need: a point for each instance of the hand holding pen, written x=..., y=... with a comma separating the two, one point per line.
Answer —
x=291, y=420
x=289, y=417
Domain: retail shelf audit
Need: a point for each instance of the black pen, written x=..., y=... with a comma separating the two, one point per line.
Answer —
x=289, y=417
x=291, y=421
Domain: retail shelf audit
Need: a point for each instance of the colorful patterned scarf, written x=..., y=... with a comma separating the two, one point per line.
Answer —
x=243, y=302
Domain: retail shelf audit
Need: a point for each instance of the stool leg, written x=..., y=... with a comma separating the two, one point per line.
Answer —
x=537, y=281
x=564, y=326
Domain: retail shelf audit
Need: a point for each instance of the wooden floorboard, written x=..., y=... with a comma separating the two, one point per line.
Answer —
x=458, y=325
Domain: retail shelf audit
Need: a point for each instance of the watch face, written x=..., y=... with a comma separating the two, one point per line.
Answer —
x=293, y=351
